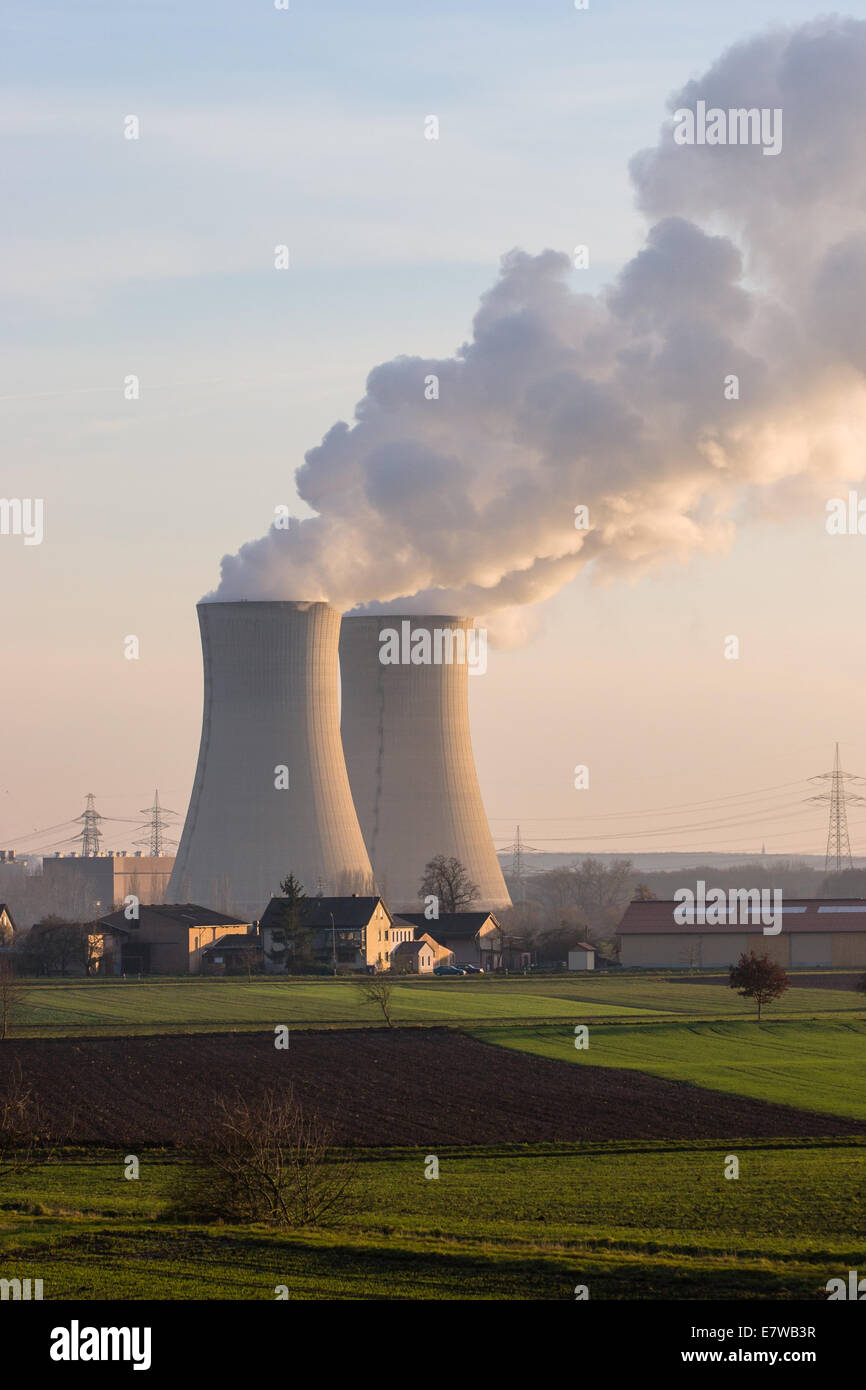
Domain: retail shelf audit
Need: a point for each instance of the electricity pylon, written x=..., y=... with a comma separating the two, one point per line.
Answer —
x=517, y=851
x=156, y=838
x=838, y=855
x=91, y=834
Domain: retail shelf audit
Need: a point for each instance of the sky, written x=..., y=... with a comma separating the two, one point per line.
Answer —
x=154, y=258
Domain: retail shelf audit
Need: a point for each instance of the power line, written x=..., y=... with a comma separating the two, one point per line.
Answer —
x=666, y=810
x=688, y=828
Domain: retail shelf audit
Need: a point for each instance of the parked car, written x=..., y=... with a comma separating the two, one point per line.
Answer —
x=472, y=970
x=448, y=970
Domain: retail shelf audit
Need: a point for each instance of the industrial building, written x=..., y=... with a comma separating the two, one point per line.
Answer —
x=409, y=756
x=816, y=932
x=80, y=883
x=271, y=795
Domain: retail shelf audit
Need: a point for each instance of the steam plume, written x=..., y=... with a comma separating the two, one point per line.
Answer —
x=753, y=267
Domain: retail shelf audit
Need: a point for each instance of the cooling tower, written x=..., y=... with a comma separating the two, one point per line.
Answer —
x=409, y=755
x=270, y=703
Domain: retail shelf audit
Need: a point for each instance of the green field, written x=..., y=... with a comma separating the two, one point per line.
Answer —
x=628, y=1221
x=56, y=1007
x=813, y=1064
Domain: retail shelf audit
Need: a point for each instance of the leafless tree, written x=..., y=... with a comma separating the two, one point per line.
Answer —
x=692, y=955
x=448, y=880
x=246, y=961
x=268, y=1161
x=11, y=995
x=378, y=990
x=26, y=1137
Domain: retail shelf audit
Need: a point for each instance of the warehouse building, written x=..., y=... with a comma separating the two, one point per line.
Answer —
x=815, y=932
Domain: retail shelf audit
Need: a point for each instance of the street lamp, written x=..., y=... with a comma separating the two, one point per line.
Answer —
x=333, y=942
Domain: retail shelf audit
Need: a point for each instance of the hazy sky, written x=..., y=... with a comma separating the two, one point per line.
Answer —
x=154, y=257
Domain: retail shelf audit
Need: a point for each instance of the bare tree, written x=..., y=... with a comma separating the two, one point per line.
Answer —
x=692, y=954
x=603, y=890
x=267, y=1161
x=448, y=880
x=11, y=995
x=245, y=962
x=26, y=1137
x=378, y=989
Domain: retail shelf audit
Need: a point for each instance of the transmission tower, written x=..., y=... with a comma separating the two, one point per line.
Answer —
x=517, y=851
x=91, y=834
x=838, y=855
x=156, y=839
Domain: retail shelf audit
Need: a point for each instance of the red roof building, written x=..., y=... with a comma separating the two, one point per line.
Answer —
x=796, y=932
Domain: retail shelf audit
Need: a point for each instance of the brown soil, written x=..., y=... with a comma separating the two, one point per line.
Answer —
x=378, y=1087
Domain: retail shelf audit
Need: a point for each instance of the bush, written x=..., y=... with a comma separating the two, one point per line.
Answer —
x=267, y=1162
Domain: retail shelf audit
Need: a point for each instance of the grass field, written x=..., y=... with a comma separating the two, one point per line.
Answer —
x=629, y=1221
x=67, y=1007
x=814, y=1064
x=651, y=1219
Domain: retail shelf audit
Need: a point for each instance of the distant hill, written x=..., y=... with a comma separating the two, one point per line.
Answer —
x=661, y=860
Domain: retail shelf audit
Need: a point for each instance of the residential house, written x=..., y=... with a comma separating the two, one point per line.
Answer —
x=344, y=933
x=171, y=938
x=419, y=956
x=232, y=955
x=7, y=926
x=69, y=948
x=473, y=938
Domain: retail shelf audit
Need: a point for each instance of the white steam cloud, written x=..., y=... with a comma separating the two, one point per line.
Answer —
x=753, y=267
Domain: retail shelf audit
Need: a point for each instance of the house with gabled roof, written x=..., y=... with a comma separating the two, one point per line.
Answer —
x=354, y=932
x=170, y=938
x=473, y=938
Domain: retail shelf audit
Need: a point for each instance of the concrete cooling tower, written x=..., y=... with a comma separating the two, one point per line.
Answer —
x=409, y=754
x=270, y=703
